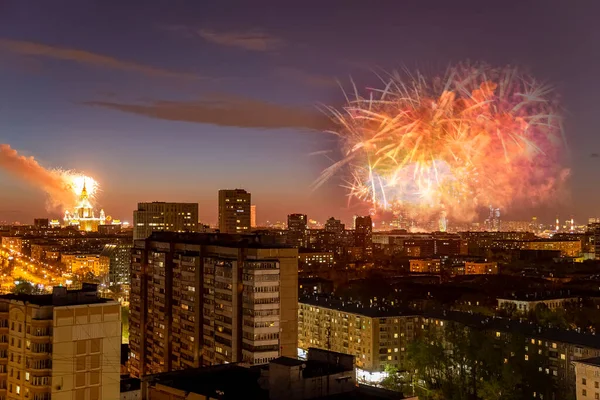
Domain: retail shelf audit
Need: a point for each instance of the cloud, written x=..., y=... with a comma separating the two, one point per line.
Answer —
x=86, y=58
x=250, y=40
x=225, y=110
x=594, y=155
x=304, y=77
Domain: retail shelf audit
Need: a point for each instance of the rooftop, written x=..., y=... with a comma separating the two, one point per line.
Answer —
x=538, y=296
x=224, y=381
x=527, y=329
x=215, y=239
x=60, y=296
x=356, y=307
x=130, y=384
x=287, y=361
x=594, y=361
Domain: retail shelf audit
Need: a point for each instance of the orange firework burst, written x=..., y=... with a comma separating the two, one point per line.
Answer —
x=476, y=137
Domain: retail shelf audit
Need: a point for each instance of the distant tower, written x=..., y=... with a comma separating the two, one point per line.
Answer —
x=253, y=216
x=572, y=228
x=557, y=228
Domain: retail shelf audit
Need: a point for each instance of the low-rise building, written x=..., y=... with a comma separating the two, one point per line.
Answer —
x=315, y=260
x=481, y=268
x=375, y=336
x=526, y=303
x=427, y=265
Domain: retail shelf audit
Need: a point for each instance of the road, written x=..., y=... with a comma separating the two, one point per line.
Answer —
x=14, y=266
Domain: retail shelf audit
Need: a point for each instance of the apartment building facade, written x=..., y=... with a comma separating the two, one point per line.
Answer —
x=204, y=299
x=161, y=216
x=65, y=345
x=234, y=211
x=375, y=337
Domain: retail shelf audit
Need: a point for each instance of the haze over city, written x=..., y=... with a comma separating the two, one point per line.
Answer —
x=157, y=102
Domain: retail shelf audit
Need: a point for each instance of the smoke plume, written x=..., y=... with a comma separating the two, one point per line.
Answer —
x=52, y=182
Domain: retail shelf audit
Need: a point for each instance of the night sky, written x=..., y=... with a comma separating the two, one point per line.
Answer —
x=173, y=100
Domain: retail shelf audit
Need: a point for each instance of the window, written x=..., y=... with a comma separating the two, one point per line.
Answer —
x=27, y=376
x=584, y=392
x=597, y=396
x=563, y=356
x=583, y=381
x=18, y=389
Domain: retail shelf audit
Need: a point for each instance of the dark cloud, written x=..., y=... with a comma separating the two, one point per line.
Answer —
x=594, y=155
x=225, y=110
x=87, y=58
x=305, y=77
x=249, y=40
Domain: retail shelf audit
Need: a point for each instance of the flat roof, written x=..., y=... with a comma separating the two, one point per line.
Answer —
x=357, y=308
x=61, y=297
x=287, y=361
x=594, y=361
x=228, y=381
x=527, y=329
x=215, y=239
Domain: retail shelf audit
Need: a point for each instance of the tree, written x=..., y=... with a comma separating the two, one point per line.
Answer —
x=25, y=287
x=392, y=381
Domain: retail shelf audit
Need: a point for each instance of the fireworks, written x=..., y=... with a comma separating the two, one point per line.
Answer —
x=75, y=182
x=475, y=137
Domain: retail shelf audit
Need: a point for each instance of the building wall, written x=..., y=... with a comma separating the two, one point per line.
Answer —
x=431, y=266
x=375, y=342
x=481, y=268
x=86, y=352
x=170, y=217
x=83, y=263
x=38, y=345
x=234, y=211
x=587, y=381
x=529, y=305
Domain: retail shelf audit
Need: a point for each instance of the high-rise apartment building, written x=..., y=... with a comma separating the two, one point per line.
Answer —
x=160, y=216
x=296, y=235
x=234, y=211
x=594, y=229
x=64, y=345
x=118, y=259
x=363, y=235
x=203, y=299
x=335, y=226
x=253, y=216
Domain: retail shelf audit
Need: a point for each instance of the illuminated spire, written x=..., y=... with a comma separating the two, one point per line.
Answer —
x=84, y=194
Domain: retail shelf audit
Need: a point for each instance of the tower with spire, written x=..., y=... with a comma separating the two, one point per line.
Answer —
x=82, y=216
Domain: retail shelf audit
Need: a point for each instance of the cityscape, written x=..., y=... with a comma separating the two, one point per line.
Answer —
x=193, y=208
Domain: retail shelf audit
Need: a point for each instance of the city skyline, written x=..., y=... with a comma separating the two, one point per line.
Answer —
x=182, y=107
